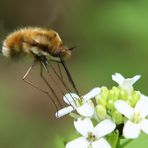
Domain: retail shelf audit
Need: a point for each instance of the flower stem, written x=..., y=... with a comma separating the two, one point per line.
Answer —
x=114, y=139
x=126, y=143
x=118, y=143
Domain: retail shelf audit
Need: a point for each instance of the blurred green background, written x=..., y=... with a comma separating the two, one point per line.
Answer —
x=110, y=36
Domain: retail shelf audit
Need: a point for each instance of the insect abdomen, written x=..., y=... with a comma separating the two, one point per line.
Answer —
x=13, y=45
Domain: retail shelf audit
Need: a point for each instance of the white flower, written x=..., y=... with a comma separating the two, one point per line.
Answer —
x=92, y=136
x=126, y=84
x=136, y=117
x=83, y=105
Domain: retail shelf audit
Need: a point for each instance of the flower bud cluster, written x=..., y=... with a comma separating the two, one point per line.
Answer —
x=107, y=97
x=103, y=115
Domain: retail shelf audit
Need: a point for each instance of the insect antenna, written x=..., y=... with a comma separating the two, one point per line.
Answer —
x=72, y=48
x=69, y=75
x=38, y=88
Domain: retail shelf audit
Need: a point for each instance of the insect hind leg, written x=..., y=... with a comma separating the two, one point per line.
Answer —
x=36, y=87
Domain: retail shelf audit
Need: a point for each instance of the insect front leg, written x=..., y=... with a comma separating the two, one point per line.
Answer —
x=60, y=77
x=61, y=60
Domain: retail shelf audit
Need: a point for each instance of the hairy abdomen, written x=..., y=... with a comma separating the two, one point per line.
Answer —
x=14, y=44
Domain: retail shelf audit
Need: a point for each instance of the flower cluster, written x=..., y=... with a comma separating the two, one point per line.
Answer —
x=105, y=115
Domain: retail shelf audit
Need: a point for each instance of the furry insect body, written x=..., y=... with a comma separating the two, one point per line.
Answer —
x=34, y=41
x=42, y=44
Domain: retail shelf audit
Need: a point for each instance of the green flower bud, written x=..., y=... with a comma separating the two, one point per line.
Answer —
x=101, y=101
x=135, y=98
x=129, y=98
x=104, y=92
x=128, y=102
x=116, y=91
x=111, y=95
x=98, y=97
x=117, y=117
x=123, y=95
x=101, y=111
x=110, y=104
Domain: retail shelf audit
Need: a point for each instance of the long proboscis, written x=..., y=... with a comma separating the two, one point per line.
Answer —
x=69, y=75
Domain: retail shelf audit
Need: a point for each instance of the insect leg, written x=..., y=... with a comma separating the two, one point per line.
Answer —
x=28, y=71
x=46, y=82
x=38, y=88
x=60, y=72
x=61, y=60
x=60, y=78
x=62, y=81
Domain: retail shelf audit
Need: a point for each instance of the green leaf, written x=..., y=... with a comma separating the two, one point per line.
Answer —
x=113, y=139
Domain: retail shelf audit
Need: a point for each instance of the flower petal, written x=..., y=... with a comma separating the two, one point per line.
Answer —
x=144, y=97
x=144, y=125
x=142, y=107
x=103, y=128
x=83, y=126
x=64, y=111
x=124, y=108
x=78, y=143
x=70, y=98
x=128, y=83
x=101, y=143
x=131, y=130
x=117, y=77
x=125, y=83
x=135, y=79
x=94, y=92
x=87, y=109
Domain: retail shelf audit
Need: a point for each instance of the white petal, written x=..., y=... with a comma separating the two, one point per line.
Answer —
x=94, y=92
x=64, y=111
x=83, y=126
x=135, y=78
x=125, y=83
x=101, y=143
x=144, y=97
x=70, y=98
x=117, y=77
x=144, y=125
x=87, y=109
x=78, y=143
x=103, y=128
x=128, y=83
x=142, y=107
x=124, y=108
x=131, y=130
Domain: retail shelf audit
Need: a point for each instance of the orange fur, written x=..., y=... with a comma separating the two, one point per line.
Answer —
x=36, y=41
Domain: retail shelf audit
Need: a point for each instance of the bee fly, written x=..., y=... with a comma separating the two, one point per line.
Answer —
x=45, y=46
